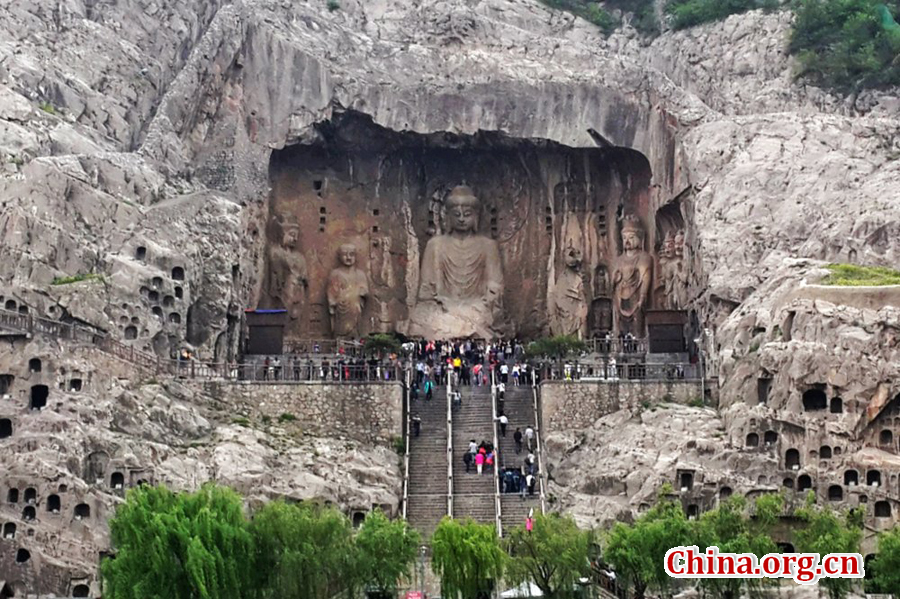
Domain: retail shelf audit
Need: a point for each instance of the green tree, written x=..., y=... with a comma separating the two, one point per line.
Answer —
x=380, y=344
x=847, y=44
x=826, y=531
x=467, y=557
x=179, y=546
x=731, y=528
x=305, y=551
x=554, y=555
x=556, y=348
x=886, y=565
x=386, y=550
x=637, y=551
x=688, y=13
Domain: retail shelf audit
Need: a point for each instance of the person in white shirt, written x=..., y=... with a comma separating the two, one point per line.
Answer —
x=504, y=373
x=529, y=438
x=504, y=421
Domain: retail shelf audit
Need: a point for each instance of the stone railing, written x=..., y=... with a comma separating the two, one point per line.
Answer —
x=600, y=371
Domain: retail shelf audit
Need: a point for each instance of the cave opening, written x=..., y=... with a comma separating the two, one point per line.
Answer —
x=6, y=429
x=532, y=199
x=814, y=400
x=39, y=395
x=752, y=440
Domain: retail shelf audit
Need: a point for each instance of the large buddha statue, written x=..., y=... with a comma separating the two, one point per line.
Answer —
x=632, y=279
x=288, y=275
x=348, y=288
x=461, y=279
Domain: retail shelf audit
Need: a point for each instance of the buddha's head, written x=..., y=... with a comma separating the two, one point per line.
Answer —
x=290, y=235
x=347, y=255
x=632, y=233
x=462, y=210
x=668, y=247
x=573, y=257
x=678, y=243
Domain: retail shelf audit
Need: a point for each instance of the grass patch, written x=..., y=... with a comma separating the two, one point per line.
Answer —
x=241, y=421
x=77, y=279
x=399, y=444
x=643, y=14
x=589, y=11
x=688, y=13
x=851, y=275
x=286, y=417
x=695, y=403
x=333, y=5
x=48, y=108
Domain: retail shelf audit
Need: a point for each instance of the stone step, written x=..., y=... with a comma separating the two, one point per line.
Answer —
x=478, y=507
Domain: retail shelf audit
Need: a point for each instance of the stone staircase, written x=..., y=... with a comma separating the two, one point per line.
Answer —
x=519, y=408
x=428, y=484
x=473, y=495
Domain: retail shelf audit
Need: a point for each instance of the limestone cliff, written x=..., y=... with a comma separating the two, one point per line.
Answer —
x=135, y=145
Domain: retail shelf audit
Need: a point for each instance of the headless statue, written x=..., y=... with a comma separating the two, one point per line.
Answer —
x=348, y=288
x=568, y=310
x=461, y=281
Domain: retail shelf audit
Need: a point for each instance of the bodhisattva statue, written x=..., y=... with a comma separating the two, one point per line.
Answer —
x=569, y=310
x=664, y=271
x=632, y=279
x=348, y=288
x=461, y=279
x=288, y=275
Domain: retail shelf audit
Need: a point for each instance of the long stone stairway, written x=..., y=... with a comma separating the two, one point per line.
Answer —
x=428, y=485
x=519, y=408
x=473, y=495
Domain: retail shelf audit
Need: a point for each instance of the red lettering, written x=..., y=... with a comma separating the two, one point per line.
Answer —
x=673, y=559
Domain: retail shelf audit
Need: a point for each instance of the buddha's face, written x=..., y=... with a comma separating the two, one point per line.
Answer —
x=347, y=255
x=573, y=257
x=631, y=239
x=463, y=218
x=668, y=248
x=290, y=238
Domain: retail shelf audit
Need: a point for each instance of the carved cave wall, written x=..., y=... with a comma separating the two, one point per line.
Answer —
x=382, y=191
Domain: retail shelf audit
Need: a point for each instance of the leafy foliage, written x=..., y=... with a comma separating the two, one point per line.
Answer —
x=847, y=44
x=826, y=531
x=851, y=275
x=554, y=555
x=589, y=11
x=307, y=550
x=201, y=546
x=730, y=528
x=380, y=344
x=637, y=551
x=886, y=565
x=688, y=13
x=558, y=347
x=387, y=549
x=179, y=546
x=467, y=557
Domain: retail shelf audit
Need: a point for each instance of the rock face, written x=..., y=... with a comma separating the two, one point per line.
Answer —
x=150, y=152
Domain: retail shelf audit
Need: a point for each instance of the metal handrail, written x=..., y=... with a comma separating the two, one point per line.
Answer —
x=537, y=441
x=406, y=453
x=494, y=416
x=449, y=447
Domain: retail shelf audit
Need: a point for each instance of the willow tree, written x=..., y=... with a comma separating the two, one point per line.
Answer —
x=827, y=531
x=179, y=546
x=386, y=549
x=886, y=565
x=733, y=529
x=554, y=555
x=637, y=551
x=467, y=557
x=304, y=551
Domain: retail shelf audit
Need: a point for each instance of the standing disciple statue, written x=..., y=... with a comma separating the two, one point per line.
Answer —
x=632, y=279
x=288, y=275
x=461, y=280
x=348, y=288
x=569, y=311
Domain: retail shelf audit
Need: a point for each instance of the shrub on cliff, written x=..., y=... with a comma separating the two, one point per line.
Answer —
x=688, y=13
x=847, y=44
